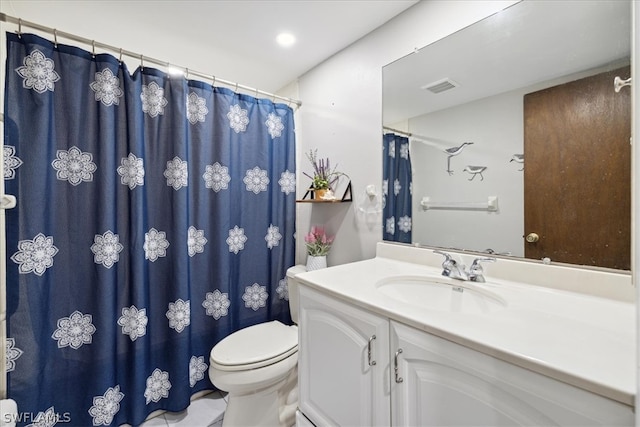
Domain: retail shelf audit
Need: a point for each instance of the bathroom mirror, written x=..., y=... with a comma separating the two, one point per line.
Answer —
x=483, y=84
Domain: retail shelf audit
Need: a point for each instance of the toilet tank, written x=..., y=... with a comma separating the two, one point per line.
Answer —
x=292, y=284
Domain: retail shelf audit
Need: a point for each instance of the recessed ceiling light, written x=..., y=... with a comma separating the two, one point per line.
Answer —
x=286, y=39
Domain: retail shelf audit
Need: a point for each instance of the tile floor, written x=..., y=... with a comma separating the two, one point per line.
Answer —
x=206, y=411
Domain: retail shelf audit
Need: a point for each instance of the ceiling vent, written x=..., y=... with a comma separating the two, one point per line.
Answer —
x=440, y=86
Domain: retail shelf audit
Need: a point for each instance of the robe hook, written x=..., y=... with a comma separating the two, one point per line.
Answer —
x=619, y=83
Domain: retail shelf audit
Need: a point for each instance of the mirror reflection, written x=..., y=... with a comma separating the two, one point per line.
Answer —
x=515, y=139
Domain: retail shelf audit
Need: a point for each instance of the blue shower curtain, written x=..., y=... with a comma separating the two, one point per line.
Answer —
x=155, y=216
x=397, y=188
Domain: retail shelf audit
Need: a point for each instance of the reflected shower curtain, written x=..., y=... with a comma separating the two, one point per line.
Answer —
x=397, y=188
x=155, y=216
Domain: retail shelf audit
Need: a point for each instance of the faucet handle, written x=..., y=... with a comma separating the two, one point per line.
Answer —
x=475, y=271
x=446, y=255
x=448, y=260
x=450, y=266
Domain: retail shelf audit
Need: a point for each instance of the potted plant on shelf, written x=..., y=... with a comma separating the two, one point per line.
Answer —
x=318, y=245
x=324, y=177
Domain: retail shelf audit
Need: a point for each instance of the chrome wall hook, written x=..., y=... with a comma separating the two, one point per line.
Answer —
x=618, y=83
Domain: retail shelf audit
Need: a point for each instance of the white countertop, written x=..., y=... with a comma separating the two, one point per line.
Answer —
x=583, y=340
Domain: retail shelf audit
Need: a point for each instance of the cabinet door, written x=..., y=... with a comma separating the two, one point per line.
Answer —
x=441, y=383
x=342, y=368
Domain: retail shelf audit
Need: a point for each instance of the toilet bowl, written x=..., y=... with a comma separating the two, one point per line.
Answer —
x=257, y=367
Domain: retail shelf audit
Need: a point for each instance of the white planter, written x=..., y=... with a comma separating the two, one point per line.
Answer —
x=316, y=262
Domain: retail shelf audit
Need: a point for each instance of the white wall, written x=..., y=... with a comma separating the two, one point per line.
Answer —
x=341, y=115
x=495, y=126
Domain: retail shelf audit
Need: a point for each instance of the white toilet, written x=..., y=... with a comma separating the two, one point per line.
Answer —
x=257, y=366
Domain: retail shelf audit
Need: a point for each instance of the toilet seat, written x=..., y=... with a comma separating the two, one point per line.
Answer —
x=255, y=347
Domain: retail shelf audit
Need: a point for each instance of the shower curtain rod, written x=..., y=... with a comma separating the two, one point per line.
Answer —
x=21, y=22
x=396, y=131
x=408, y=134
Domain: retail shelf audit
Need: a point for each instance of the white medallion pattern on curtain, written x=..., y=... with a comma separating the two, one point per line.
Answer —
x=35, y=256
x=38, y=72
x=391, y=225
x=153, y=100
x=287, y=182
x=255, y=296
x=397, y=187
x=404, y=151
x=107, y=88
x=392, y=150
x=10, y=161
x=12, y=354
x=256, y=180
x=133, y=322
x=158, y=386
x=197, y=369
x=216, y=177
x=196, y=108
x=74, y=331
x=283, y=289
x=81, y=167
x=105, y=407
x=131, y=171
x=155, y=245
x=273, y=236
x=236, y=239
x=106, y=249
x=238, y=118
x=176, y=173
x=274, y=125
x=216, y=304
x=195, y=241
x=179, y=314
x=404, y=223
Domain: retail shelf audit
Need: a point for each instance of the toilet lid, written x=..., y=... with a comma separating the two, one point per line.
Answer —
x=256, y=346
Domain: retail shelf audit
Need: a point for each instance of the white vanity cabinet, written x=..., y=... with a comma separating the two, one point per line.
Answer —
x=441, y=383
x=349, y=378
x=342, y=363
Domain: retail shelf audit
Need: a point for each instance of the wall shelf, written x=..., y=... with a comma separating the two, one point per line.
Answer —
x=346, y=196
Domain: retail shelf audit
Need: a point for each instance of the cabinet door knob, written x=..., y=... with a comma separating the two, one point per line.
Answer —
x=395, y=366
x=371, y=362
x=532, y=237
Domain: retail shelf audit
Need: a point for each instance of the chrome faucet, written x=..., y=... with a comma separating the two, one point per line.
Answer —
x=451, y=268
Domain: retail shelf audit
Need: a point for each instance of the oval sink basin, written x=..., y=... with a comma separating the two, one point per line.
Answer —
x=441, y=294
